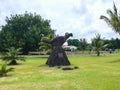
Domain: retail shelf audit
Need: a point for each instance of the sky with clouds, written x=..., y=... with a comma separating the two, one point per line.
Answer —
x=80, y=17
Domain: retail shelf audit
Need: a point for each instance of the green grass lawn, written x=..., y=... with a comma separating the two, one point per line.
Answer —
x=94, y=73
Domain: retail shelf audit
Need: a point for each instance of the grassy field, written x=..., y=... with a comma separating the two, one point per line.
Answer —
x=94, y=73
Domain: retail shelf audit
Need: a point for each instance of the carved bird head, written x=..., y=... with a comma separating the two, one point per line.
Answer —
x=68, y=34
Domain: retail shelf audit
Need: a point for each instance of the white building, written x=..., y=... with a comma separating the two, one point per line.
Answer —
x=69, y=48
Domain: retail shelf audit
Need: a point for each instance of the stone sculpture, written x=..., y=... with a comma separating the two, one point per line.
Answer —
x=58, y=56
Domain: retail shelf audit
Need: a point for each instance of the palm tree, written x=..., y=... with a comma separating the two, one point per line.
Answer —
x=83, y=44
x=4, y=70
x=12, y=56
x=113, y=20
x=97, y=43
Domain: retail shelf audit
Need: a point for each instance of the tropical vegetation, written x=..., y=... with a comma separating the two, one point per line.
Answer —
x=4, y=70
x=113, y=20
x=12, y=56
x=97, y=44
x=24, y=31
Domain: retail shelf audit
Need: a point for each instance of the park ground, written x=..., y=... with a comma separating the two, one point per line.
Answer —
x=94, y=73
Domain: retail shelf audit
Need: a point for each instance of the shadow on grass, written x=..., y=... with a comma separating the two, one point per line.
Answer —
x=61, y=67
x=68, y=68
x=43, y=65
x=115, y=61
x=15, y=64
x=8, y=75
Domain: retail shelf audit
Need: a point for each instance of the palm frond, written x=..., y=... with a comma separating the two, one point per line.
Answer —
x=4, y=70
x=115, y=8
x=106, y=19
x=12, y=55
x=114, y=19
x=110, y=13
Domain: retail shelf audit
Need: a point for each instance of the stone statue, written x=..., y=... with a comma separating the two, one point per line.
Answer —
x=58, y=55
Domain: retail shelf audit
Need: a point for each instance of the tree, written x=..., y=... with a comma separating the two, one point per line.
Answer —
x=117, y=43
x=24, y=31
x=108, y=44
x=112, y=44
x=83, y=44
x=12, y=56
x=44, y=45
x=97, y=43
x=73, y=42
x=113, y=20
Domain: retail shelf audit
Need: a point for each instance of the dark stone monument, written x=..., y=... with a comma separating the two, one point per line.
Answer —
x=58, y=56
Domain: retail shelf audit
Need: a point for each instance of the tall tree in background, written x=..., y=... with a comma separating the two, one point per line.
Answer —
x=83, y=44
x=73, y=42
x=24, y=31
x=113, y=20
x=97, y=43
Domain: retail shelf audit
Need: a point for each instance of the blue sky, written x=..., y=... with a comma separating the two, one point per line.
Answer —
x=80, y=17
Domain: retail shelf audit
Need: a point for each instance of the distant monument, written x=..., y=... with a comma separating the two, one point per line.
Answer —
x=58, y=56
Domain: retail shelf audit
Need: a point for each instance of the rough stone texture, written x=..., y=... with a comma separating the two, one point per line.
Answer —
x=58, y=55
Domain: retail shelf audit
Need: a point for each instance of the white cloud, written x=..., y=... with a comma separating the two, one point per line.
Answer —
x=81, y=17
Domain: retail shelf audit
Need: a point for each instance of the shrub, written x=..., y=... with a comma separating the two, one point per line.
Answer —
x=4, y=70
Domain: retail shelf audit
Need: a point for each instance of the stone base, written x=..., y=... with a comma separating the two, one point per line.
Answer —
x=58, y=57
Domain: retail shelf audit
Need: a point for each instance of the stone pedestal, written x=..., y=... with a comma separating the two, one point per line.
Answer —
x=58, y=57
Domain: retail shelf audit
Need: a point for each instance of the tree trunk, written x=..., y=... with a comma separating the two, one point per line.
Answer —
x=98, y=53
x=13, y=62
x=58, y=57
